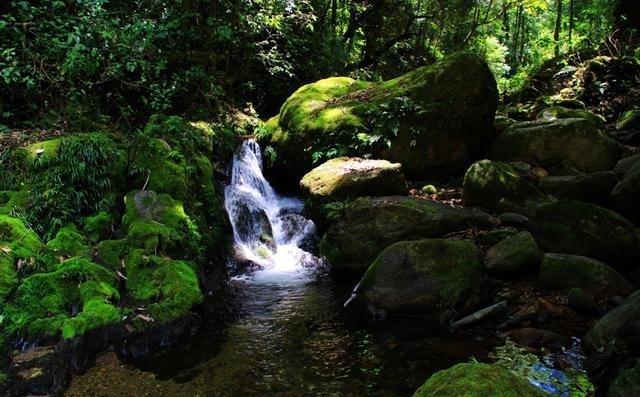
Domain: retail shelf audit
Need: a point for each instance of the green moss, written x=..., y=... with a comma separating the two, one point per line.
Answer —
x=45, y=303
x=68, y=242
x=11, y=201
x=158, y=223
x=112, y=252
x=476, y=380
x=559, y=112
x=497, y=186
x=8, y=277
x=98, y=226
x=18, y=239
x=170, y=287
x=44, y=149
x=434, y=115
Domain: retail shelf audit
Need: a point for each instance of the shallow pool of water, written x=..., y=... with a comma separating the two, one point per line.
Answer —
x=287, y=338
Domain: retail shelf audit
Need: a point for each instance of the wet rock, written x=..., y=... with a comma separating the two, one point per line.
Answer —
x=514, y=255
x=41, y=370
x=560, y=112
x=547, y=143
x=444, y=113
x=627, y=383
x=537, y=338
x=344, y=177
x=477, y=379
x=626, y=164
x=498, y=186
x=422, y=277
x=502, y=122
x=580, y=300
x=494, y=236
x=626, y=194
x=559, y=271
x=373, y=223
x=578, y=228
x=619, y=329
x=513, y=219
x=595, y=187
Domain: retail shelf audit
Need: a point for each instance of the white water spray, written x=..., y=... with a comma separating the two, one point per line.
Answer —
x=268, y=229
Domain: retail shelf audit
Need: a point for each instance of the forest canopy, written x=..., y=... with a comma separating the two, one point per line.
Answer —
x=69, y=63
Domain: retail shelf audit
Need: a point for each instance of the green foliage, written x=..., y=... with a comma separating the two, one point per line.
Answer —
x=74, y=181
x=337, y=209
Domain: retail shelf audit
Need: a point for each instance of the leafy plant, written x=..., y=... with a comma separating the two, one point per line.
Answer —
x=337, y=209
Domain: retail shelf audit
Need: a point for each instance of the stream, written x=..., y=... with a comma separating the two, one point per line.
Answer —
x=288, y=334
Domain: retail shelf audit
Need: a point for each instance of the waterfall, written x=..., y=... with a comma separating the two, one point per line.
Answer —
x=268, y=229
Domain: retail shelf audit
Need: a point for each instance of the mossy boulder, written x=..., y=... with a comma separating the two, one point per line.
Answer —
x=626, y=194
x=432, y=120
x=371, y=224
x=579, y=228
x=169, y=288
x=12, y=200
x=627, y=383
x=514, y=255
x=629, y=120
x=477, y=380
x=624, y=165
x=344, y=177
x=78, y=296
x=422, y=277
x=497, y=186
x=548, y=143
x=595, y=187
x=98, y=226
x=158, y=223
x=68, y=242
x=111, y=253
x=619, y=329
x=18, y=239
x=559, y=271
x=560, y=112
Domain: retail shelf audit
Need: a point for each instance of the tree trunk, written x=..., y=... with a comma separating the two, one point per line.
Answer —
x=558, y=29
x=571, y=16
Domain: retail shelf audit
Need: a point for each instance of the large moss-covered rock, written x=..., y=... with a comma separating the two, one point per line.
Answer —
x=432, y=119
x=421, y=277
x=626, y=194
x=619, y=328
x=68, y=242
x=498, y=186
x=595, y=187
x=169, y=288
x=548, y=143
x=559, y=271
x=347, y=178
x=477, y=380
x=514, y=255
x=8, y=277
x=625, y=164
x=373, y=223
x=158, y=223
x=560, y=112
x=75, y=298
x=579, y=228
x=627, y=383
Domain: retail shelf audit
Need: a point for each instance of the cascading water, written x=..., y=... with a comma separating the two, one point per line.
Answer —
x=268, y=229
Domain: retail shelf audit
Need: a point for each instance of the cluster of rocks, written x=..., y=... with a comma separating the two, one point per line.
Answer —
x=555, y=204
